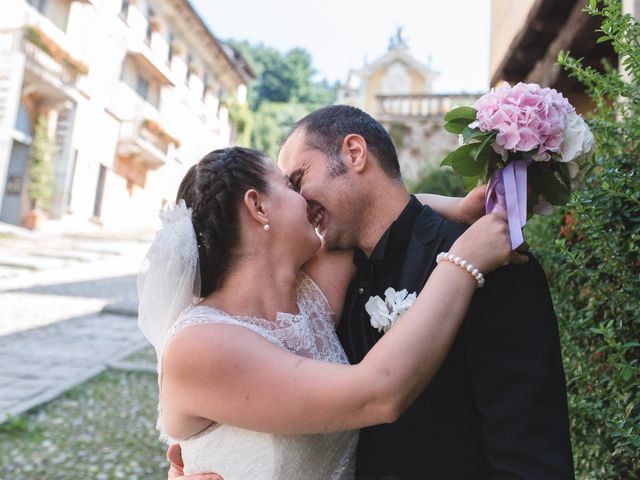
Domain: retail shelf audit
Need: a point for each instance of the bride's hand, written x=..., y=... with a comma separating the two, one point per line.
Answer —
x=176, y=466
x=487, y=245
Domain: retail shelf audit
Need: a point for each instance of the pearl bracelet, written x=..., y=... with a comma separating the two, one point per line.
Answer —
x=456, y=260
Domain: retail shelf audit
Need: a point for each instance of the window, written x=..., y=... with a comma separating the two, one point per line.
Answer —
x=97, y=203
x=190, y=68
x=172, y=44
x=151, y=25
x=206, y=81
x=142, y=87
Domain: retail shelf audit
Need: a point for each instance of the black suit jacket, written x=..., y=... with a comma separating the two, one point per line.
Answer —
x=496, y=408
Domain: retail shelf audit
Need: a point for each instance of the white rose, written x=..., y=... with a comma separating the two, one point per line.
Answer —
x=384, y=313
x=577, y=138
x=379, y=313
x=398, y=302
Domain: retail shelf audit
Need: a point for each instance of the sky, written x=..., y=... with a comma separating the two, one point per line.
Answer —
x=340, y=35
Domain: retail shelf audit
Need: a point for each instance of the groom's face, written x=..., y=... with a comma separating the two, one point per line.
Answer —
x=330, y=198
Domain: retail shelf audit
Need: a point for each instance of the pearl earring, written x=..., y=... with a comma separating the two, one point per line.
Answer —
x=266, y=227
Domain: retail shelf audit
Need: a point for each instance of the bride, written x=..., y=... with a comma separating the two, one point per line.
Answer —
x=239, y=299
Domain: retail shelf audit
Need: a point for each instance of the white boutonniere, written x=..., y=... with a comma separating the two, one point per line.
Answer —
x=384, y=313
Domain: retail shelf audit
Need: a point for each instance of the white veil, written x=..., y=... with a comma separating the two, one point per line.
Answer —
x=169, y=278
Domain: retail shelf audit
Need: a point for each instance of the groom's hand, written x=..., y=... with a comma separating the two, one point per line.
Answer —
x=471, y=208
x=174, y=455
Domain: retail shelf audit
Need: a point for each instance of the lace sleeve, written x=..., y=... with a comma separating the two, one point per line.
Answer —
x=312, y=299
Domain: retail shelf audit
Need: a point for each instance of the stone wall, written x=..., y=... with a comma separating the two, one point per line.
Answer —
x=421, y=144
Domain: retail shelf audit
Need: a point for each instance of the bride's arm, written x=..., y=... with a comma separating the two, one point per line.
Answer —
x=466, y=209
x=231, y=375
x=333, y=270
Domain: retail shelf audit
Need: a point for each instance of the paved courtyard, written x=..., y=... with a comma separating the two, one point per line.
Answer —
x=67, y=312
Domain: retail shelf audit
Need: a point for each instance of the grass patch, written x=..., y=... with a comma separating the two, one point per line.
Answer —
x=103, y=430
x=145, y=356
x=14, y=425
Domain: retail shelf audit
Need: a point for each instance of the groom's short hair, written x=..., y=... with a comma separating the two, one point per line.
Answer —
x=327, y=127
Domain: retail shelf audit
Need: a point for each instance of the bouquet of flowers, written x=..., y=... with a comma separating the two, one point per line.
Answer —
x=528, y=143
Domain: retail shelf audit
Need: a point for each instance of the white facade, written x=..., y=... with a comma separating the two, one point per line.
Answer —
x=134, y=93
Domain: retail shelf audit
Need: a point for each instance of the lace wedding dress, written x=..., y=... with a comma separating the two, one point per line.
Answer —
x=240, y=454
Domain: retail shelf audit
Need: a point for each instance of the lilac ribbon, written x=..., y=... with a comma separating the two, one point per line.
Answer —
x=507, y=190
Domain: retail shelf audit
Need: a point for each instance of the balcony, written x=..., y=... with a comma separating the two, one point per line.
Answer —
x=142, y=56
x=402, y=107
x=147, y=47
x=145, y=141
x=44, y=57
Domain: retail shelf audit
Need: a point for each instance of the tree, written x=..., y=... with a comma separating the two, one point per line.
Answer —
x=40, y=186
x=284, y=91
x=271, y=123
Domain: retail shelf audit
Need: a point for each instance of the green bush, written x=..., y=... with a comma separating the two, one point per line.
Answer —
x=441, y=181
x=590, y=251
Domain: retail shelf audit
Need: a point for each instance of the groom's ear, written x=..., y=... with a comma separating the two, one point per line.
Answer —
x=354, y=148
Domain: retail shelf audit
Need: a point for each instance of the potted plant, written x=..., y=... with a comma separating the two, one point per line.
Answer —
x=40, y=169
x=212, y=86
x=195, y=70
x=177, y=49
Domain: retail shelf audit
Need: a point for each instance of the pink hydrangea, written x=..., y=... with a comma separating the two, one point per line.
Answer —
x=525, y=116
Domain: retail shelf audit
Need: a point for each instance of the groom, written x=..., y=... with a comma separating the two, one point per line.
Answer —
x=497, y=407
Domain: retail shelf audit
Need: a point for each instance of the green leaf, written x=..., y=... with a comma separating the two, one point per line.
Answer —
x=457, y=126
x=468, y=162
x=627, y=373
x=485, y=145
x=473, y=133
x=543, y=180
x=604, y=38
x=470, y=183
x=459, y=153
x=564, y=173
x=466, y=113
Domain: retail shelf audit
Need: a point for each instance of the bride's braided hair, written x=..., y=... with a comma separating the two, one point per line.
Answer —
x=214, y=189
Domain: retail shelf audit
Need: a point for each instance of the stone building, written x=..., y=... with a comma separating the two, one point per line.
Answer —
x=397, y=89
x=133, y=93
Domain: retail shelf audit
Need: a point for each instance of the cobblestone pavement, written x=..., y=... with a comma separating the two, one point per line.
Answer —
x=67, y=311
